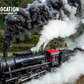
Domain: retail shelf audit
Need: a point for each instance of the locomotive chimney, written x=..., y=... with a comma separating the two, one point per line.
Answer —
x=66, y=47
x=5, y=53
x=5, y=49
x=6, y=45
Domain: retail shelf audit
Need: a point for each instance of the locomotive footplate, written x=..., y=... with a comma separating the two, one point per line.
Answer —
x=26, y=68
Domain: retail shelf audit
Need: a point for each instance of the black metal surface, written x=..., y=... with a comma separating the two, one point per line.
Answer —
x=21, y=59
x=26, y=68
x=78, y=48
x=65, y=55
x=7, y=62
x=25, y=62
x=23, y=53
x=55, y=59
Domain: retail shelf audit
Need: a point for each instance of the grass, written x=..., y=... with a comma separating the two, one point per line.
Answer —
x=9, y=53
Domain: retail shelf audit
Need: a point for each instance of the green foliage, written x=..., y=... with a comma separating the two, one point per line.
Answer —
x=2, y=25
x=59, y=39
x=17, y=40
x=51, y=44
x=20, y=47
x=1, y=40
x=9, y=53
x=14, y=46
x=83, y=25
x=26, y=38
x=34, y=39
x=35, y=33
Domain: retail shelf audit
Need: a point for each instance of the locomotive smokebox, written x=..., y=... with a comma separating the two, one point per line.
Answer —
x=7, y=62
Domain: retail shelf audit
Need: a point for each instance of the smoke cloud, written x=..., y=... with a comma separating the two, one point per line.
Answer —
x=63, y=28
x=69, y=72
x=40, y=14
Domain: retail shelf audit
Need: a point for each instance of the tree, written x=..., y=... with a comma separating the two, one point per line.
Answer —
x=35, y=33
x=1, y=41
x=34, y=39
x=26, y=38
x=17, y=40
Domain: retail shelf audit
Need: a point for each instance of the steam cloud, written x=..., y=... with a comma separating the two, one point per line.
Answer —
x=63, y=28
x=39, y=14
x=69, y=72
x=79, y=41
x=54, y=29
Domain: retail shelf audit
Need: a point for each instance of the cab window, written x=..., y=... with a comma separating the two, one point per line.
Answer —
x=55, y=58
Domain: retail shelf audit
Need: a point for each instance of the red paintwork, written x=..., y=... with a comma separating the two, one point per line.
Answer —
x=54, y=58
x=51, y=51
x=50, y=57
x=0, y=58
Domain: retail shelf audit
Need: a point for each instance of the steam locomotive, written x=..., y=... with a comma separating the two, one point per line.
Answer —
x=23, y=66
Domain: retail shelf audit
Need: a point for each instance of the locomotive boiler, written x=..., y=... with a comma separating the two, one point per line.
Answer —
x=23, y=66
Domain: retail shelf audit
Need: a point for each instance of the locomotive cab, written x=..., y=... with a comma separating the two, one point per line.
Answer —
x=53, y=56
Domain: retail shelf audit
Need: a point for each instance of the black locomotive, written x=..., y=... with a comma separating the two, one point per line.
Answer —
x=23, y=66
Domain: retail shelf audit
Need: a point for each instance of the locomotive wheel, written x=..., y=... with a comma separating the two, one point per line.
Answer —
x=38, y=73
x=45, y=68
x=45, y=72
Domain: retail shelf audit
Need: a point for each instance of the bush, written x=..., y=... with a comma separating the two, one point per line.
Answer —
x=26, y=38
x=20, y=47
x=35, y=33
x=14, y=46
x=34, y=39
x=51, y=44
x=17, y=40
x=59, y=39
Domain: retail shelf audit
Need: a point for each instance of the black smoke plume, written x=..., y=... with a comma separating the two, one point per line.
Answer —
x=36, y=15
